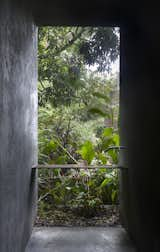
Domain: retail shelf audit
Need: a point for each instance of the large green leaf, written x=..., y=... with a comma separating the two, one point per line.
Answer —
x=87, y=151
x=114, y=196
x=107, y=132
x=103, y=96
x=116, y=139
x=50, y=146
x=105, y=182
x=96, y=110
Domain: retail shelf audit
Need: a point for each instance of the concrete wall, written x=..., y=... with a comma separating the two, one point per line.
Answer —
x=140, y=116
x=70, y=12
x=140, y=122
x=18, y=126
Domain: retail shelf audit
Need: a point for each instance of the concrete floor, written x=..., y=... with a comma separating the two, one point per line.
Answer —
x=77, y=239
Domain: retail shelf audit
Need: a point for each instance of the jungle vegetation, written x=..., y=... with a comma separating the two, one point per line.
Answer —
x=78, y=116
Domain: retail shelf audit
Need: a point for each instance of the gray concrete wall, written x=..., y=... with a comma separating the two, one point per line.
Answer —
x=70, y=12
x=140, y=121
x=140, y=116
x=18, y=126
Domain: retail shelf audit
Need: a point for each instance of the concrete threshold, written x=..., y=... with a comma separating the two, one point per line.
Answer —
x=80, y=239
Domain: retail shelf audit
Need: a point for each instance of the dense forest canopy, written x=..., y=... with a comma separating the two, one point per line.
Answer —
x=63, y=55
x=78, y=114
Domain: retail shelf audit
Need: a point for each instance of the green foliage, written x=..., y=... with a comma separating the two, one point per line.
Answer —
x=102, y=47
x=85, y=189
x=75, y=107
x=107, y=132
x=87, y=151
x=63, y=138
x=63, y=53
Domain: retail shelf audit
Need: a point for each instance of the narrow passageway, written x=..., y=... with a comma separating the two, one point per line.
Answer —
x=77, y=239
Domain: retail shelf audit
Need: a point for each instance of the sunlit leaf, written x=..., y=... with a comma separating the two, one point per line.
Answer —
x=107, y=132
x=116, y=139
x=87, y=151
x=105, y=182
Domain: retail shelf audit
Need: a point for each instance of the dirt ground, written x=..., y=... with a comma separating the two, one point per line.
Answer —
x=106, y=216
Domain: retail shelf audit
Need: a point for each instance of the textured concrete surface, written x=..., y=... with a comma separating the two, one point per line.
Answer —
x=139, y=97
x=73, y=239
x=18, y=125
x=140, y=117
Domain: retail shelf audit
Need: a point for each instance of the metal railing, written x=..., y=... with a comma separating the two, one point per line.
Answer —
x=76, y=166
x=82, y=166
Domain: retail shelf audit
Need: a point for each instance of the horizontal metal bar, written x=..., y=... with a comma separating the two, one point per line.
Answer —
x=116, y=148
x=76, y=166
x=75, y=176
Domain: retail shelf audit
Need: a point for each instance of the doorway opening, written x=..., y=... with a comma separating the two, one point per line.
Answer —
x=78, y=126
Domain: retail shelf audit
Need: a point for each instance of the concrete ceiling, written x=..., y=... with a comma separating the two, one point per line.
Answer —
x=82, y=12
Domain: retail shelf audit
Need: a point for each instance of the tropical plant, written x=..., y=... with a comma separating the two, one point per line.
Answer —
x=63, y=55
x=76, y=105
